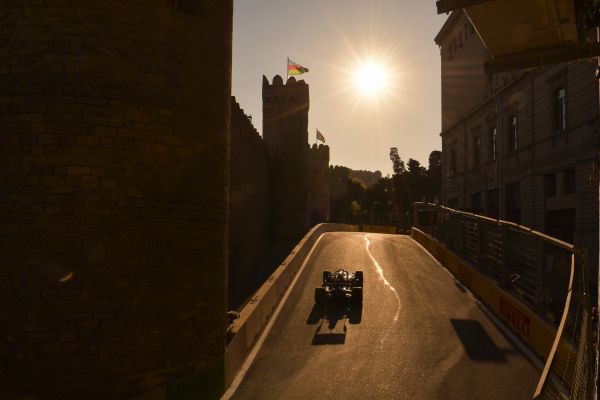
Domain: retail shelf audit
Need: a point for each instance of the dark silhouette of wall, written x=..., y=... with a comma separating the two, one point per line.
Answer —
x=283, y=171
x=114, y=152
x=319, y=198
x=285, y=123
x=368, y=178
x=248, y=203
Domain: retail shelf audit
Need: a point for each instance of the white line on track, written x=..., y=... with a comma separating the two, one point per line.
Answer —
x=380, y=272
x=241, y=374
x=535, y=360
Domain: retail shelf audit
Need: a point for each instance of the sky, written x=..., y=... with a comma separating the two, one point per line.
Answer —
x=334, y=39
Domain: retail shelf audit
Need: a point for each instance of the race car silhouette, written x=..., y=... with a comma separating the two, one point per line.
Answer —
x=340, y=285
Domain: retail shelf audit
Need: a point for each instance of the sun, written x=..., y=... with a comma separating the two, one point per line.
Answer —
x=371, y=78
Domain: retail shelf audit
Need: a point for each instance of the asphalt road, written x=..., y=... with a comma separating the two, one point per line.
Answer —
x=419, y=335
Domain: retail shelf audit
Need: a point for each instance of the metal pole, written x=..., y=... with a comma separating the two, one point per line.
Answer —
x=598, y=277
x=501, y=215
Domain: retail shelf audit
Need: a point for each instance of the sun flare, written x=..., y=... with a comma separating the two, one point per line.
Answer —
x=371, y=78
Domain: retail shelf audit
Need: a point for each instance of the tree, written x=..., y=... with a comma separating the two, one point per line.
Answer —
x=398, y=164
x=416, y=181
x=379, y=197
x=356, y=190
x=434, y=174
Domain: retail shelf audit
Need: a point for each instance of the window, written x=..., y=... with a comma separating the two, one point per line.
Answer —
x=491, y=203
x=560, y=110
x=512, y=135
x=476, y=150
x=513, y=202
x=561, y=224
x=476, y=203
x=550, y=185
x=493, y=135
x=453, y=161
x=569, y=181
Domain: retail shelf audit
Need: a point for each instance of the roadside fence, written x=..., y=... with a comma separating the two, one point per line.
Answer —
x=546, y=275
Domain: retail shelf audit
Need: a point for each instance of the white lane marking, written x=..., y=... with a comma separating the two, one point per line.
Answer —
x=535, y=360
x=241, y=374
x=385, y=281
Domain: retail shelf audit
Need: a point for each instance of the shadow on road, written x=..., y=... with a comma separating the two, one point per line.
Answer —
x=332, y=318
x=478, y=345
x=334, y=311
x=321, y=338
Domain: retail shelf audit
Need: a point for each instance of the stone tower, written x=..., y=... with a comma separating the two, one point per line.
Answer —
x=285, y=130
x=114, y=119
x=319, y=196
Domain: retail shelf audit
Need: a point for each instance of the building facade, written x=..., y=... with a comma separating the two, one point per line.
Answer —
x=519, y=146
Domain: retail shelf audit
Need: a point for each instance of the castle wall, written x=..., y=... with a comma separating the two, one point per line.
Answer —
x=113, y=189
x=248, y=201
x=338, y=191
x=319, y=196
x=285, y=124
x=369, y=178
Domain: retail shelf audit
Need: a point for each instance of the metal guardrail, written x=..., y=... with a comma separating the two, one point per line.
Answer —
x=547, y=275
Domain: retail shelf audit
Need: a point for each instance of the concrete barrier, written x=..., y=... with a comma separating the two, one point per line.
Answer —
x=257, y=313
x=379, y=229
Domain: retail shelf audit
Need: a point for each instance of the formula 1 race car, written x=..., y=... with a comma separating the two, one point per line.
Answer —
x=340, y=285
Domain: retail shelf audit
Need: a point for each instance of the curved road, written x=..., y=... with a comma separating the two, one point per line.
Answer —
x=419, y=334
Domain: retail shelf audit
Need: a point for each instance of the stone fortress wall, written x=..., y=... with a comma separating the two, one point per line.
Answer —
x=319, y=200
x=285, y=123
x=113, y=191
x=116, y=167
x=249, y=230
x=279, y=185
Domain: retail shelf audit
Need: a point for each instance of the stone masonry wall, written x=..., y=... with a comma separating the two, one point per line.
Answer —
x=248, y=200
x=113, y=194
x=319, y=197
x=285, y=124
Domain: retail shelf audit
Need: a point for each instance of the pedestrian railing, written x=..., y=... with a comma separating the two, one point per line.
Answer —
x=546, y=275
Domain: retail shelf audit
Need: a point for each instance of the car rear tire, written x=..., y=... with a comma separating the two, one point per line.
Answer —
x=320, y=295
x=326, y=276
x=357, y=295
x=359, y=278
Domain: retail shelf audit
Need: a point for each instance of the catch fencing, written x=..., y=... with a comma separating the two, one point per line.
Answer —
x=546, y=275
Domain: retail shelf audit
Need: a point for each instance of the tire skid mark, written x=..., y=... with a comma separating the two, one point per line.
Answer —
x=382, y=277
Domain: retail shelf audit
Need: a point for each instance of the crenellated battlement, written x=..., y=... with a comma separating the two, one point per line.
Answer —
x=338, y=169
x=320, y=151
x=285, y=117
x=293, y=91
x=242, y=129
